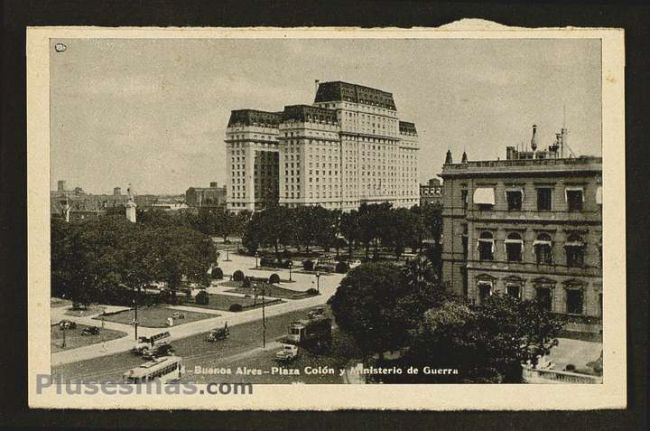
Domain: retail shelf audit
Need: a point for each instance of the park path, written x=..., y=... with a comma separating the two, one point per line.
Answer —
x=328, y=286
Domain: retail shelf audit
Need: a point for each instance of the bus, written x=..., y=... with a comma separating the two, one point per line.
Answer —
x=165, y=369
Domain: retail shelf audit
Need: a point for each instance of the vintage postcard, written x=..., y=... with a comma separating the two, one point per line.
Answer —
x=326, y=218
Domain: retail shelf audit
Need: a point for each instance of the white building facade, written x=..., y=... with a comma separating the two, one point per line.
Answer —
x=348, y=148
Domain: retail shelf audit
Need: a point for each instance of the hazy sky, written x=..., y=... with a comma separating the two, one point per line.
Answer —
x=153, y=112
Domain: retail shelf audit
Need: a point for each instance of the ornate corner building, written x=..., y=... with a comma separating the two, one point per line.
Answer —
x=347, y=148
x=528, y=226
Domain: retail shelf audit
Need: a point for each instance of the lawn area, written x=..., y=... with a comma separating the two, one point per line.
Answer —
x=89, y=311
x=155, y=316
x=276, y=292
x=74, y=339
x=223, y=302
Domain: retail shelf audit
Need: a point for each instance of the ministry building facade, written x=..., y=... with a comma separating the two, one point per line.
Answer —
x=529, y=226
x=347, y=148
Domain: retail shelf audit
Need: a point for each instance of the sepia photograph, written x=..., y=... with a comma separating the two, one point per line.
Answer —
x=234, y=213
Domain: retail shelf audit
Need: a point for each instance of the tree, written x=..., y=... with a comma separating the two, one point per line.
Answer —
x=367, y=305
x=418, y=228
x=398, y=229
x=374, y=219
x=225, y=223
x=276, y=227
x=487, y=343
x=349, y=227
x=307, y=224
x=110, y=260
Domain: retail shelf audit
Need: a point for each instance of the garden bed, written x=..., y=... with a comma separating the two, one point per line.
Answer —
x=275, y=291
x=224, y=302
x=155, y=316
x=74, y=339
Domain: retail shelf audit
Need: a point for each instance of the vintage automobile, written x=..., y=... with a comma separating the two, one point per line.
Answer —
x=147, y=343
x=67, y=324
x=91, y=330
x=218, y=334
x=159, y=350
x=288, y=353
x=178, y=315
x=316, y=312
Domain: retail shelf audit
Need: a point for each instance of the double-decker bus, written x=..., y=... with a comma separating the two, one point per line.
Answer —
x=165, y=369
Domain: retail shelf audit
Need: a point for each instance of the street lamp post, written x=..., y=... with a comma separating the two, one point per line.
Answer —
x=290, y=266
x=135, y=317
x=318, y=281
x=257, y=254
x=63, y=329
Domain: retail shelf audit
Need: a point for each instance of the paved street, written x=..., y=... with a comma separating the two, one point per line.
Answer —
x=328, y=285
x=243, y=348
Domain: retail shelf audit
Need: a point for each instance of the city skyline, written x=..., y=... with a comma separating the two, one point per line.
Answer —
x=153, y=113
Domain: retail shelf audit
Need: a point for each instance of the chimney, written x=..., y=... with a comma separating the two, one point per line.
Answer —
x=448, y=159
x=464, y=158
x=533, y=140
x=60, y=186
x=214, y=184
x=117, y=191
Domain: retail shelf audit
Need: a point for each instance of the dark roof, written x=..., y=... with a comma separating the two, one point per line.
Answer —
x=342, y=91
x=249, y=117
x=306, y=113
x=406, y=127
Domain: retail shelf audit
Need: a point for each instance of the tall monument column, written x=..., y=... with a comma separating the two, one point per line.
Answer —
x=130, y=206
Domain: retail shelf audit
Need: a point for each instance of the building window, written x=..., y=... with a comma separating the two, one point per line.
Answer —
x=513, y=290
x=574, y=198
x=543, y=297
x=484, y=198
x=575, y=251
x=515, y=199
x=514, y=247
x=543, y=249
x=544, y=196
x=574, y=301
x=486, y=246
x=463, y=196
x=484, y=290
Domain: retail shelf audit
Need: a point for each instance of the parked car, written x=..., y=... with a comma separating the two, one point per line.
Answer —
x=288, y=353
x=178, y=315
x=67, y=324
x=91, y=330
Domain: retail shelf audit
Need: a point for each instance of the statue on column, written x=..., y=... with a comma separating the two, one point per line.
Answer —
x=130, y=205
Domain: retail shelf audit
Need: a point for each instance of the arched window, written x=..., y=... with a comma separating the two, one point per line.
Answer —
x=486, y=246
x=514, y=247
x=484, y=290
x=575, y=251
x=543, y=249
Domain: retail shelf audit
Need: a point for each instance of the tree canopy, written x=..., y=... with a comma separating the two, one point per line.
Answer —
x=99, y=260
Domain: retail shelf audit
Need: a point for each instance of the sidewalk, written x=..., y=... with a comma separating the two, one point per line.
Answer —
x=328, y=286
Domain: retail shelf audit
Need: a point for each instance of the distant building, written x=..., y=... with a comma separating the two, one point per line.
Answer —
x=76, y=205
x=529, y=226
x=349, y=147
x=213, y=196
x=431, y=192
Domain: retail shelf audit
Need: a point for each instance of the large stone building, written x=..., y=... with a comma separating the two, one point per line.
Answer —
x=349, y=147
x=528, y=226
x=213, y=196
x=431, y=192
